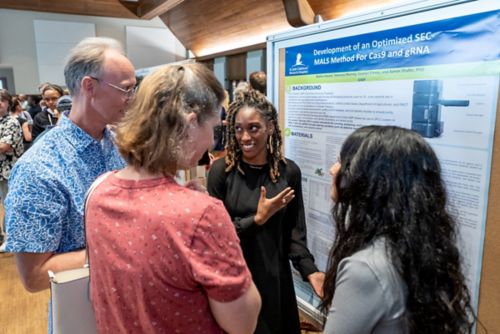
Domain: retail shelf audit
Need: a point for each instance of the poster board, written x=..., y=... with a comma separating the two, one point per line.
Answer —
x=432, y=66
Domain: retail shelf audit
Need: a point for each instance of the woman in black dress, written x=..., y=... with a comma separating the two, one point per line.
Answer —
x=262, y=192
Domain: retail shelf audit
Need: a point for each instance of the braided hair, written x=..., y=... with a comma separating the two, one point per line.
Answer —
x=256, y=100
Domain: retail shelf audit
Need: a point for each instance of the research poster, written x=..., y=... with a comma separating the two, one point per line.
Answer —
x=440, y=79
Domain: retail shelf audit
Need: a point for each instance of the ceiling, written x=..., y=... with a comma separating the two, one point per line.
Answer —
x=206, y=27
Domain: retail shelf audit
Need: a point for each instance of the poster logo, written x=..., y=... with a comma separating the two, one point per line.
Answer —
x=298, y=60
x=299, y=67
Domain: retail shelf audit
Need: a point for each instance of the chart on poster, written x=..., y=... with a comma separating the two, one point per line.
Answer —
x=432, y=76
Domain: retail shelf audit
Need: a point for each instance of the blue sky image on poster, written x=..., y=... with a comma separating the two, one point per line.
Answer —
x=456, y=40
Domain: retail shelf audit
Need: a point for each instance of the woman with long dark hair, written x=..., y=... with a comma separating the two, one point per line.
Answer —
x=394, y=266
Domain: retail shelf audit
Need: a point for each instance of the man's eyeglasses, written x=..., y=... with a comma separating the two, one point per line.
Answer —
x=127, y=92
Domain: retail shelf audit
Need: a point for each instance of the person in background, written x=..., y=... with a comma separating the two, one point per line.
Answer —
x=24, y=108
x=11, y=148
x=34, y=105
x=240, y=88
x=27, y=116
x=262, y=192
x=63, y=105
x=47, y=118
x=17, y=112
x=44, y=207
x=220, y=129
x=23, y=101
x=185, y=272
x=395, y=266
x=258, y=81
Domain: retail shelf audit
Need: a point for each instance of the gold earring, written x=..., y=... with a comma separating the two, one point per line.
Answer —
x=270, y=144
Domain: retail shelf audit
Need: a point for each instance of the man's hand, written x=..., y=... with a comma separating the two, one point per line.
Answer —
x=269, y=206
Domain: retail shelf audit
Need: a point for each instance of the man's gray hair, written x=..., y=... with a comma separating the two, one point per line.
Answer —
x=87, y=58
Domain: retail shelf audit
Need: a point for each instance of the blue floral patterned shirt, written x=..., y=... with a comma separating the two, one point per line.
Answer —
x=47, y=186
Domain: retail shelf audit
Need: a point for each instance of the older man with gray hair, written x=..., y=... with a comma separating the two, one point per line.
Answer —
x=44, y=207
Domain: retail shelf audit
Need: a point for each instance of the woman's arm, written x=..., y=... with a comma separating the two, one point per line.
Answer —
x=238, y=316
x=27, y=132
x=217, y=264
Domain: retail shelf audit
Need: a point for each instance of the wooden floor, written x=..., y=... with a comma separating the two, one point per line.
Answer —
x=21, y=312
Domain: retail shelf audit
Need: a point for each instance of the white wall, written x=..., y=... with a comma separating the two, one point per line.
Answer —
x=52, y=49
x=148, y=46
x=18, y=49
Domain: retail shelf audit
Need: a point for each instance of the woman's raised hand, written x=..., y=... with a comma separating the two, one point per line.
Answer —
x=267, y=207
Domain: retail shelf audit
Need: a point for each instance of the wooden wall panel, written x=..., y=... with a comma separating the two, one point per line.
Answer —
x=206, y=27
x=109, y=8
x=330, y=10
x=237, y=67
